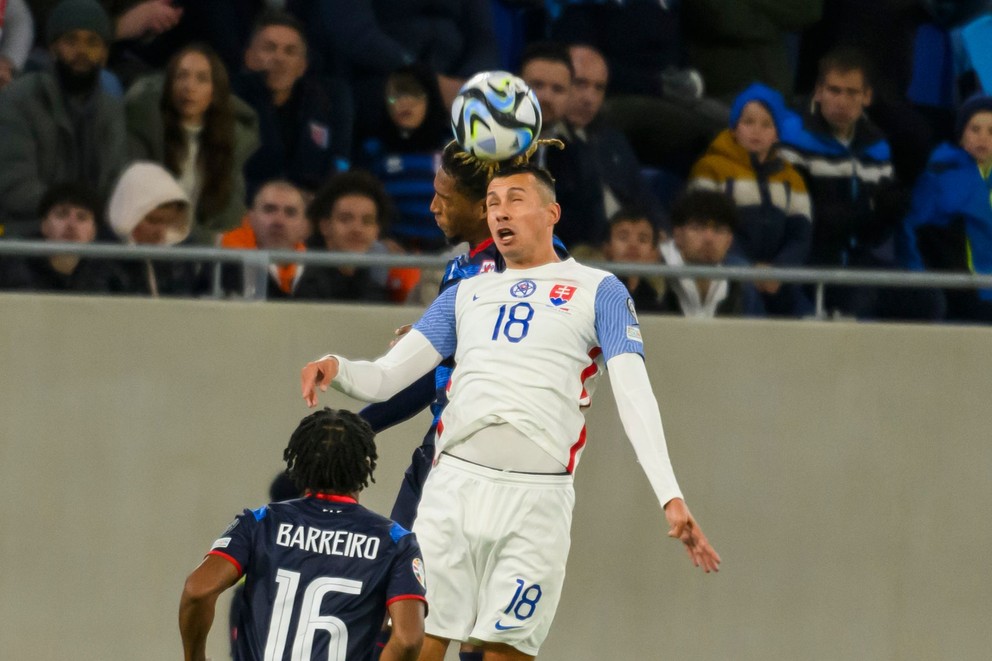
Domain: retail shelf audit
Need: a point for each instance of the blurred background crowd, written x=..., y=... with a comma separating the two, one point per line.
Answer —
x=779, y=133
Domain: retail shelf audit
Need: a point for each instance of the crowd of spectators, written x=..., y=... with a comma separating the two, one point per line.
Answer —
x=707, y=132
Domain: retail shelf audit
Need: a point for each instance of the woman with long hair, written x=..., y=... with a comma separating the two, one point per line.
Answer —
x=188, y=121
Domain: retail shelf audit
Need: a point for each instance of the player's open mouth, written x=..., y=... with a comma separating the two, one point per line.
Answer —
x=504, y=233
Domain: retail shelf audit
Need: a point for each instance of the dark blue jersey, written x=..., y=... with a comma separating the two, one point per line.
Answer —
x=319, y=574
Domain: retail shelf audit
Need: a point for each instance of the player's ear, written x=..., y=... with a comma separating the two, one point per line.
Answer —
x=554, y=213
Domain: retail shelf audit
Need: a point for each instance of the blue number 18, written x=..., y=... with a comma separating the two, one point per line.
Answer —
x=516, y=319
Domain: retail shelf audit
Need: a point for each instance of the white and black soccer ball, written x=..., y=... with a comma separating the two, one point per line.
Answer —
x=495, y=116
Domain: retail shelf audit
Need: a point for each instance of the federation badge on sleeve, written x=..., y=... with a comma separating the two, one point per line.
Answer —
x=633, y=312
x=418, y=572
x=561, y=294
x=488, y=266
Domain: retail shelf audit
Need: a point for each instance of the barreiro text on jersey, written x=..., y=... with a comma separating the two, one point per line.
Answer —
x=328, y=542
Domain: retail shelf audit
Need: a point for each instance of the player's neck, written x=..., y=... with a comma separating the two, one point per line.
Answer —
x=479, y=237
x=532, y=262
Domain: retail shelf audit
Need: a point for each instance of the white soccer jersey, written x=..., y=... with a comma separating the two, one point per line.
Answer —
x=525, y=341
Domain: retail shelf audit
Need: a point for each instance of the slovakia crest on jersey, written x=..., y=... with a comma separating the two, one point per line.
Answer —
x=523, y=289
x=561, y=294
x=487, y=266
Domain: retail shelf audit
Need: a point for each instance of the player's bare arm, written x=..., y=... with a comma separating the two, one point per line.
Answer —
x=407, y=634
x=683, y=526
x=317, y=374
x=196, y=606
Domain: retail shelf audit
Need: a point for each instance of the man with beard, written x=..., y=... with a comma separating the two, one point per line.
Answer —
x=58, y=126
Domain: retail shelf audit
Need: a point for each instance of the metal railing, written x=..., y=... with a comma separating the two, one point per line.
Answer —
x=255, y=267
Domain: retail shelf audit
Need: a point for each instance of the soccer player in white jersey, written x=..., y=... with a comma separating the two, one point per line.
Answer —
x=496, y=510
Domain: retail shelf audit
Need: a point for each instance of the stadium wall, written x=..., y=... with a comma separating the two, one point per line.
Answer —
x=841, y=470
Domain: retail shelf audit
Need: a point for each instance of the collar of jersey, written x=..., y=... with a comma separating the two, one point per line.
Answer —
x=333, y=497
x=479, y=248
x=511, y=272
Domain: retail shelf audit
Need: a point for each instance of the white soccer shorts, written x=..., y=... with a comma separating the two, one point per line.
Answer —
x=495, y=545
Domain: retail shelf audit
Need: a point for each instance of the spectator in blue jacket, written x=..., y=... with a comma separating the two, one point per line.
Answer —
x=949, y=225
x=304, y=125
x=856, y=201
x=743, y=163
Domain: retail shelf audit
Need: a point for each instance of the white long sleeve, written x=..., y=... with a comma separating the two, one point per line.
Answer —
x=378, y=380
x=641, y=420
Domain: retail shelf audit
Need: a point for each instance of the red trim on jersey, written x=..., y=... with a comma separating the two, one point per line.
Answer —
x=334, y=498
x=576, y=448
x=589, y=371
x=403, y=597
x=479, y=248
x=221, y=554
x=440, y=428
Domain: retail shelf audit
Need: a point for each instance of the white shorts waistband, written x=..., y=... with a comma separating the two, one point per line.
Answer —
x=451, y=462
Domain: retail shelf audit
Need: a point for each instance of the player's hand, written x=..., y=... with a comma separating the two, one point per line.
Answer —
x=683, y=526
x=399, y=333
x=317, y=374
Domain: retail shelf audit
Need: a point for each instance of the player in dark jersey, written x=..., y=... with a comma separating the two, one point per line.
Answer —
x=320, y=571
x=459, y=207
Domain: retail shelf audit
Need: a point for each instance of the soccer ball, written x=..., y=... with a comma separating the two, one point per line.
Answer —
x=495, y=116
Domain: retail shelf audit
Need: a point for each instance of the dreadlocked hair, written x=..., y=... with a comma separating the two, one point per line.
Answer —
x=524, y=158
x=474, y=174
x=332, y=451
x=471, y=174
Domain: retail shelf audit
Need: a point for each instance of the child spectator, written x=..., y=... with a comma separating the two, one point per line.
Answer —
x=190, y=123
x=774, y=226
x=634, y=239
x=703, y=225
x=148, y=207
x=955, y=194
x=406, y=152
x=68, y=213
